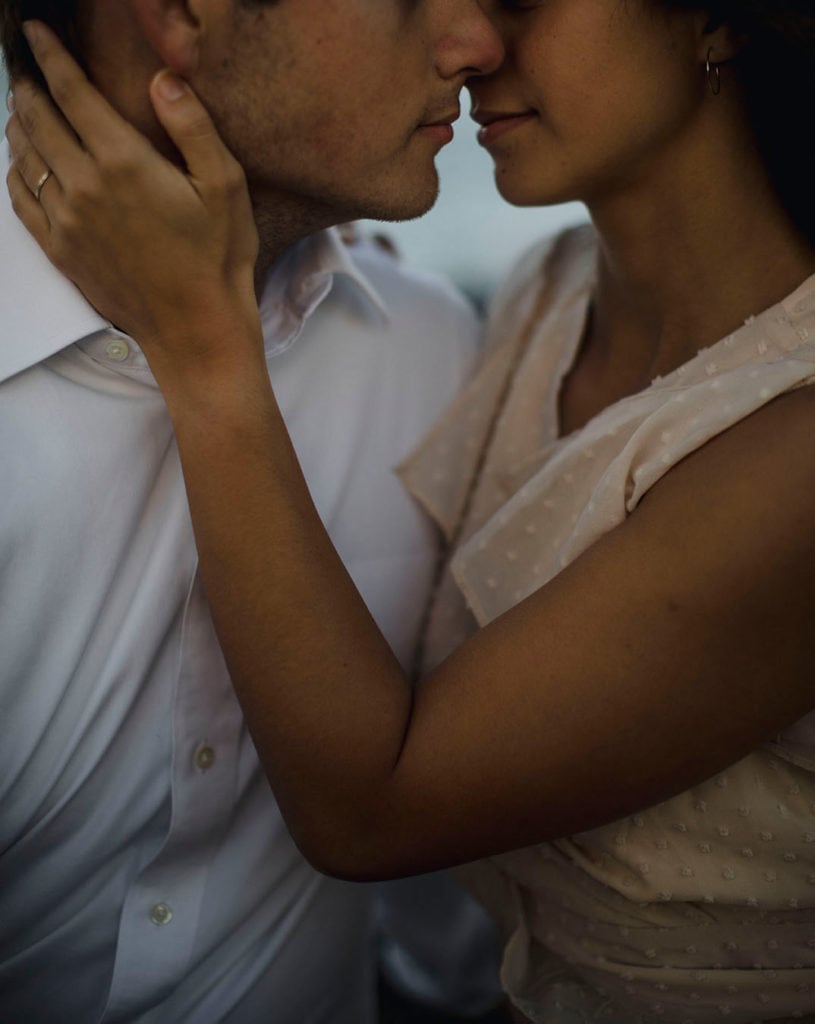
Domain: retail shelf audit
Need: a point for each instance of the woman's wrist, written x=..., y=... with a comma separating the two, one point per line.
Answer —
x=192, y=354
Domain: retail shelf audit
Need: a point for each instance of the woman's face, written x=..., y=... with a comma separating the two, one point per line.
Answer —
x=596, y=95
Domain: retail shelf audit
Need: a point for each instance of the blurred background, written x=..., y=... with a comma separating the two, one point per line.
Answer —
x=471, y=235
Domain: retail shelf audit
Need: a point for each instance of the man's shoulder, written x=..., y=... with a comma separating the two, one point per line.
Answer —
x=424, y=343
x=415, y=298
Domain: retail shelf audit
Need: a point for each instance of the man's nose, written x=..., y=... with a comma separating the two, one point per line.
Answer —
x=468, y=42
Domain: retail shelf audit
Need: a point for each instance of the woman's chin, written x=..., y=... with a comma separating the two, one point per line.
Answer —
x=527, y=190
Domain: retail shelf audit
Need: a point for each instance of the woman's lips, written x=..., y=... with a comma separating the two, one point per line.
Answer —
x=494, y=126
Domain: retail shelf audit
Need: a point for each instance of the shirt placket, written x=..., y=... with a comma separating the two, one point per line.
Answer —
x=159, y=922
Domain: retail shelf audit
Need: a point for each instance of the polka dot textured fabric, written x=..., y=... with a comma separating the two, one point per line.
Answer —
x=701, y=909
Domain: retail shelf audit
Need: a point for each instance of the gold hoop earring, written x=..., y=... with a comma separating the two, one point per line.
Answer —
x=714, y=75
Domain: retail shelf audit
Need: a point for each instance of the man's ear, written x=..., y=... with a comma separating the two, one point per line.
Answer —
x=172, y=28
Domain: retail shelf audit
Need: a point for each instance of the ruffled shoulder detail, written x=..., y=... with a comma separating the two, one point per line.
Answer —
x=440, y=472
x=586, y=484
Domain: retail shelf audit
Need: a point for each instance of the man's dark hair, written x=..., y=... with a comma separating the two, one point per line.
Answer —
x=66, y=17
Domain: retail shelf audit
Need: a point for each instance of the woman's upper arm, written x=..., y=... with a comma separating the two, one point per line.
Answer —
x=667, y=651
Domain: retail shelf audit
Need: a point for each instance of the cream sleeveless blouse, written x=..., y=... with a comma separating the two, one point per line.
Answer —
x=702, y=908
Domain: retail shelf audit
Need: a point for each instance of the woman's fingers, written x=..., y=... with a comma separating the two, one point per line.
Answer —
x=104, y=133
x=46, y=131
x=38, y=177
x=98, y=125
x=151, y=247
x=185, y=119
x=27, y=208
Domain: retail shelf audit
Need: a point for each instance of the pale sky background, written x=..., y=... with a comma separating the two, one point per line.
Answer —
x=471, y=235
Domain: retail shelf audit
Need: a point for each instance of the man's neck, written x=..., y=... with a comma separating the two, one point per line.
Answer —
x=282, y=221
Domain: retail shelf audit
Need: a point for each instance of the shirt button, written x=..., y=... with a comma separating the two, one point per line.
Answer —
x=117, y=350
x=203, y=758
x=161, y=914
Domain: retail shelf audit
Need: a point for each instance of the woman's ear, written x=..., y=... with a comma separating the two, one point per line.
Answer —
x=173, y=29
x=720, y=42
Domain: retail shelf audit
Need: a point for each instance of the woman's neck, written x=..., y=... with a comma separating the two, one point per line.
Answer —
x=698, y=245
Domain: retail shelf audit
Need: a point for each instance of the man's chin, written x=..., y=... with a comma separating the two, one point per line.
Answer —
x=285, y=215
x=404, y=206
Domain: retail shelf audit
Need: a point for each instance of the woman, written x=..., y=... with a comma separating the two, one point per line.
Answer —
x=634, y=520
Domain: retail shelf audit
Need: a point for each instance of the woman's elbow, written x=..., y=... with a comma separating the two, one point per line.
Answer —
x=354, y=853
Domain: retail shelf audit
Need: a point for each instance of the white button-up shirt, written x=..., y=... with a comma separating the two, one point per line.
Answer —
x=145, y=872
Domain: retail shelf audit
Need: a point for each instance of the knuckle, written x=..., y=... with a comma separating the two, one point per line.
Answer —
x=56, y=248
x=114, y=163
x=118, y=163
x=199, y=127
x=66, y=225
x=82, y=191
x=29, y=118
x=14, y=194
x=12, y=126
x=59, y=257
x=234, y=180
x=24, y=165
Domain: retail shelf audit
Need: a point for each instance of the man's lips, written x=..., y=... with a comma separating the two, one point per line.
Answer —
x=440, y=128
x=448, y=119
x=495, y=123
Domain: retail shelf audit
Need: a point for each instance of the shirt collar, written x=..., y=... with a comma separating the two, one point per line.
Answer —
x=300, y=280
x=42, y=312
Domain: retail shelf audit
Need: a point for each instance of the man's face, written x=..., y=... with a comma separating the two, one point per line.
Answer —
x=326, y=102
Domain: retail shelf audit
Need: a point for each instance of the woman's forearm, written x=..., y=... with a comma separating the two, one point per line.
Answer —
x=327, y=702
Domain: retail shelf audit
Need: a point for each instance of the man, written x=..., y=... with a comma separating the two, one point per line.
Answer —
x=145, y=872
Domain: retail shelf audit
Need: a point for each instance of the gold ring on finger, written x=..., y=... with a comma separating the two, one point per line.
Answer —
x=42, y=180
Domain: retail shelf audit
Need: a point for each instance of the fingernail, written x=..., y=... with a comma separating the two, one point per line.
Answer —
x=170, y=86
x=32, y=34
